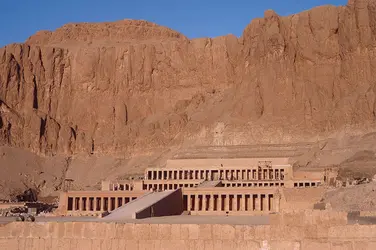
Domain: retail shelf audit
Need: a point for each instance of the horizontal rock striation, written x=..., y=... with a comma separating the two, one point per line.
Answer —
x=133, y=86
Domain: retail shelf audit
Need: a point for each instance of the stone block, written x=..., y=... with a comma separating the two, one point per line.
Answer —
x=227, y=232
x=131, y=244
x=314, y=245
x=346, y=245
x=114, y=244
x=83, y=244
x=68, y=230
x=196, y=245
x=141, y=231
x=239, y=232
x=41, y=244
x=34, y=244
x=205, y=232
x=78, y=230
x=121, y=244
x=217, y=244
x=172, y=245
x=164, y=232
x=229, y=244
x=175, y=231
x=128, y=232
x=74, y=243
x=285, y=245
x=217, y=232
x=119, y=231
x=153, y=231
x=106, y=244
x=8, y=243
x=15, y=229
x=193, y=231
x=39, y=229
x=61, y=244
x=145, y=244
x=110, y=229
x=262, y=232
x=209, y=245
x=21, y=243
x=249, y=233
x=96, y=244
x=4, y=231
x=247, y=244
x=26, y=230
x=184, y=231
x=29, y=243
x=48, y=244
x=364, y=245
x=89, y=231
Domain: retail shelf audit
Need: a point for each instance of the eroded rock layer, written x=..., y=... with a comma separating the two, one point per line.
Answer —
x=132, y=86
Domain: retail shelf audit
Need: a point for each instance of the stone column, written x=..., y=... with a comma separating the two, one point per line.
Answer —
x=204, y=202
x=81, y=204
x=219, y=203
x=116, y=202
x=102, y=203
x=235, y=203
x=95, y=205
x=259, y=197
x=276, y=199
x=211, y=204
x=250, y=203
x=227, y=203
x=74, y=204
x=87, y=205
x=266, y=207
x=189, y=202
x=196, y=203
x=243, y=200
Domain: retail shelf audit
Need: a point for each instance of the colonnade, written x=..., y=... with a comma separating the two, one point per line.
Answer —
x=254, y=184
x=229, y=202
x=215, y=174
x=120, y=186
x=307, y=184
x=96, y=204
x=169, y=186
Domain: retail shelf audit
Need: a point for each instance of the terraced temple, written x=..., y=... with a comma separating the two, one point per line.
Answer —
x=238, y=186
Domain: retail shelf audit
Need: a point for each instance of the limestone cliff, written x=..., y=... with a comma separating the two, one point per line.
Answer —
x=133, y=86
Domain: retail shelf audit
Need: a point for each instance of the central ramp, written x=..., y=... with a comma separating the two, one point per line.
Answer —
x=152, y=204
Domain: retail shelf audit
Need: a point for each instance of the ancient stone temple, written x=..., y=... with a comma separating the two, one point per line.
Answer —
x=239, y=186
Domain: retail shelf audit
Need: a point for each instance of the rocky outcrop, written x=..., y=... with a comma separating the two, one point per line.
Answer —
x=132, y=86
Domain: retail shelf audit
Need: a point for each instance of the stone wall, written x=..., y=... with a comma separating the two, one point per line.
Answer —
x=91, y=235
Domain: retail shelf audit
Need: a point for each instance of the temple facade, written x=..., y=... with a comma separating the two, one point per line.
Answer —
x=208, y=187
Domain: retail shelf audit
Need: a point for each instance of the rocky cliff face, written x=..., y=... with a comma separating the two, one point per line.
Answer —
x=132, y=86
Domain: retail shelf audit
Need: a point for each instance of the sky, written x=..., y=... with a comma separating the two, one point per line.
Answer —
x=20, y=19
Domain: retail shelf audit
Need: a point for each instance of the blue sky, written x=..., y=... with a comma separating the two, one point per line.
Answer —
x=194, y=18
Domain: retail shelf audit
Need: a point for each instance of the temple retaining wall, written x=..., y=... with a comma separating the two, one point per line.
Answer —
x=300, y=233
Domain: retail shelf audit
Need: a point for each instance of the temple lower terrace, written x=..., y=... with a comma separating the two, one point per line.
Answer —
x=242, y=186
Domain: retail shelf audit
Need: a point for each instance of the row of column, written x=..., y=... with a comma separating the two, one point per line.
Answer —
x=255, y=184
x=220, y=174
x=307, y=184
x=228, y=202
x=121, y=187
x=96, y=203
x=167, y=186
